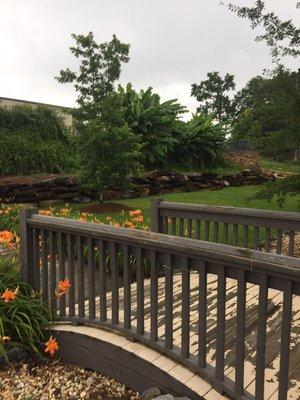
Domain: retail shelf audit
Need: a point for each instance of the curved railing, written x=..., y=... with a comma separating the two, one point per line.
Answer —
x=246, y=227
x=124, y=280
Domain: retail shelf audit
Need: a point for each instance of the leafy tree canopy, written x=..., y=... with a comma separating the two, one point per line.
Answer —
x=155, y=123
x=99, y=68
x=213, y=95
x=282, y=37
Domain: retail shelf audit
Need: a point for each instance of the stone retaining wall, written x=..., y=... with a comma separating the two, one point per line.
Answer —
x=50, y=187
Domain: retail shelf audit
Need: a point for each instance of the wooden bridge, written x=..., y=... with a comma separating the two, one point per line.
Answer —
x=209, y=320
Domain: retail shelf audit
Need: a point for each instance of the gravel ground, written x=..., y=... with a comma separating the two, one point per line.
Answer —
x=53, y=381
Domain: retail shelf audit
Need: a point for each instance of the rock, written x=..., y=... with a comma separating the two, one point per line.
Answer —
x=150, y=393
x=170, y=397
x=82, y=199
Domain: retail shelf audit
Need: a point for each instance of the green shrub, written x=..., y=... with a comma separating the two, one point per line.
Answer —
x=24, y=321
x=34, y=141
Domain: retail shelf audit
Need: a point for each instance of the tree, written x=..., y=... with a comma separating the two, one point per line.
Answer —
x=282, y=37
x=100, y=67
x=202, y=142
x=268, y=113
x=213, y=95
x=107, y=156
x=155, y=123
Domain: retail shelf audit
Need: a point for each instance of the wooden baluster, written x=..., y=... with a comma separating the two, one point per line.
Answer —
x=127, y=287
x=245, y=235
x=36, y=272
x=154, y=297
x=44, y=251
x=285, y=341
x=235, y=235
x=114, y=284
x=61, y=271
x=240, y=333
x=267, y=239
x=173, y=226
x=168, y=301
x=261, y=338
x=279, y=241
x=190, y=228
x=181, y=232
x=202, y=315
x=256, y=238
x=216, y=232
x=206, y=231
x=102, y=281
x=80, y=270
x=140, y=291
x=185, y=309
x=198, y=229
x=91, y=279
x=225, y=233
x=52, y=238
x=291, y=243
x=71, y=274
x=220, y=335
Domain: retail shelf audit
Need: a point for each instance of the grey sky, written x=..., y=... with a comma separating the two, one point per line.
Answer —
x=173, y=43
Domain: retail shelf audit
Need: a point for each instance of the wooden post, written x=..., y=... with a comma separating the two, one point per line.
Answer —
x=26, y=245
x=155, y=219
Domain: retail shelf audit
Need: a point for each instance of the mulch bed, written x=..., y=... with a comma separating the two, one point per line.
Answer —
x=56, y=381
x=104, y=208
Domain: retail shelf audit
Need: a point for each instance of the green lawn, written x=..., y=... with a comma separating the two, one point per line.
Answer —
x=293, y=167
x=231, y=196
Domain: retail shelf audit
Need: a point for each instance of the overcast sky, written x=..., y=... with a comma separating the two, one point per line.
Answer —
x=173, y=43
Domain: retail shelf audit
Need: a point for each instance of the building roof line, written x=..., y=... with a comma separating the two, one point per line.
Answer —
x=35, y=102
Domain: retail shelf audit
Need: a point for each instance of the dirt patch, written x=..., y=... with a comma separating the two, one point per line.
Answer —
x=249, y=160
x=104, y=208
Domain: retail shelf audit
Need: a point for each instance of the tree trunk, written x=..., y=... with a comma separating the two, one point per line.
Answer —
x=100, y=197
x=297, y=154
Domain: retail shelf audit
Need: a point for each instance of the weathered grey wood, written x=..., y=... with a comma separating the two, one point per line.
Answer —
x=26, y=250
x=71, y=274
x=285, y=341
x=206, y=230
x=91, y=279
x=202, y=335
x=185, y=309
x=279, y=241
x=235, y=234
x=44, y=252
x=198, y=229
x=178, y=245
x=245, y=235
x=173, y=226
x=261, y=338
x=267, y=239
x=256, y=237
x=102, y=281
x=154, y=297
x=155, y=217
x=169, y=301
x=53, y=271
x=220, y=346
x=190, y=228
x=80, y=265
x=240, y=333
x=114, y=284
x=61, y=271
x=140, y=291
x=181, y=227
x=216, y=232
x=127, y=288
x=35, y=276
x=225, y=233
x=291, y=243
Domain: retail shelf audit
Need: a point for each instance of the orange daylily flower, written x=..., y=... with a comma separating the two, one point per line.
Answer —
x=9, y=295
x=6, y=237
x=135, y=213
x=51, y=346
x=48, y=213
x=5, y=339
x=64, y=286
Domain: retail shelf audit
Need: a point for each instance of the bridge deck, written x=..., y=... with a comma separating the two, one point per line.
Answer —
x=273, y=334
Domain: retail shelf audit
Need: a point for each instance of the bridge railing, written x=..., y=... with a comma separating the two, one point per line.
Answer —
x=244, y=227
x=107, y=268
